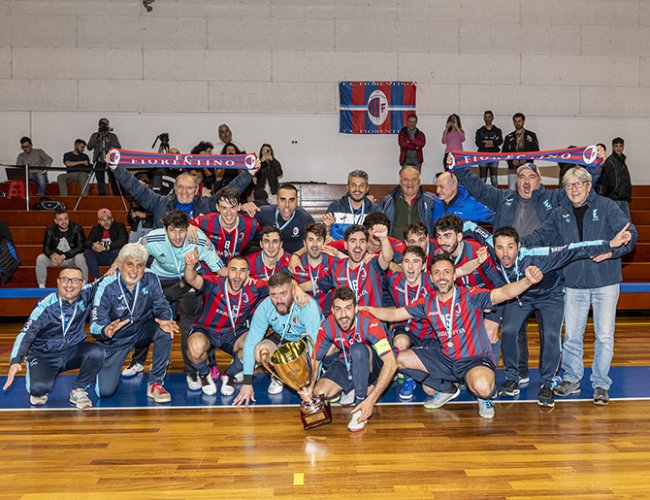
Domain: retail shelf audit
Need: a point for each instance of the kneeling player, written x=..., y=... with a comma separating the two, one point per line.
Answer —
x=461, y=353
x=362, y=356
x=228, y=303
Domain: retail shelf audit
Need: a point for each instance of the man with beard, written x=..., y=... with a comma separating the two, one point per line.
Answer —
x=288, y=321
x=130, y=310
x=352, y=208
x=519, y=139
x=229, y=231
x=272, y=258
x=228, y=305
x=53, y=341
x=461, y=352
x=362, y=356
x=287, y=216
x=364, y=278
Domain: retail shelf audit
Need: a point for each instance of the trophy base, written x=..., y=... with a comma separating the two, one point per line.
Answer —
x=315, y=413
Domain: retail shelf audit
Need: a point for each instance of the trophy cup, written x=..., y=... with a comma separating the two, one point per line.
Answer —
x=291, y=364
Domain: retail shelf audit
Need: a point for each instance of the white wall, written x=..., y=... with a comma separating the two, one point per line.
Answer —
x=579, y=69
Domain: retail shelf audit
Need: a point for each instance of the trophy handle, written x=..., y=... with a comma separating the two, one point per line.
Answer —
x=306, y=338
x=264, y=359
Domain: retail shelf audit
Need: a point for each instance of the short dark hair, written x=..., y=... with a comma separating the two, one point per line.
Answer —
x=602, y=146
x=270, y=229
x=25, y=139
x=200, y=147
x=175, y=218
x=74, y=268
x=487, y=111
x=280, y=279
x=412, y=115
x=518, y=115
x=345, y=294
x=315, y=228
x=449, y=222
x=355, y=228
x=239, y=257
x=415, y=250
x=417, y=228
x=60, y=210
x=444, y=256
x=618, y=140
x=225, y=147
x=229, y=195
x=79, y=141
x=288, y=185
x=376, y=218
x=507, y=232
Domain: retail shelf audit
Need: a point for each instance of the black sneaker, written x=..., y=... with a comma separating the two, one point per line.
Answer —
x=567, y=388
x=510, y=388
x=545, y=397
x=601, y=396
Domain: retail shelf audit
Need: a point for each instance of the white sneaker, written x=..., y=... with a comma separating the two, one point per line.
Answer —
x=38, y=400
x=347, y=399
x=485, y=408
x=193, y=382
x=275, y=387
x=227, y=389
x=208, y=386
x=355, y=425
x=132, y=370
x=239, y=377
x=79, y=398
x=41, y=286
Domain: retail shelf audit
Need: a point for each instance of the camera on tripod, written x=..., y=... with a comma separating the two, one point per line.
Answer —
x=164, y=142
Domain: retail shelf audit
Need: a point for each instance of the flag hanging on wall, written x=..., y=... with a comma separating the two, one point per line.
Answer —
x=375, y=107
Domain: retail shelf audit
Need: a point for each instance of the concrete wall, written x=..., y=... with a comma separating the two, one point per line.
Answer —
x=579, y=69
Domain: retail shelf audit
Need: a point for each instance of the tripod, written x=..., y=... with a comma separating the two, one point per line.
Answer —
x=164, y=142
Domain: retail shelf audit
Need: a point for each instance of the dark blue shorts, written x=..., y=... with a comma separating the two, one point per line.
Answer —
x=338, y=373
x=496, y=314
x=224, y=341
x=442, y=367
x=415, y=340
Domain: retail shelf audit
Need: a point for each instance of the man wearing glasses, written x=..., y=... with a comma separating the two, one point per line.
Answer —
x=53, y=341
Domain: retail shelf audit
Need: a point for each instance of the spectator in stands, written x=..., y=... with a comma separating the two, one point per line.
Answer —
x=408, y=203
x=519, y=139
x=615, y=182
x=140, y=220
x=287, y=216
x=268, y=175
x=583, y=216
x=206, y=148
x=225, y=137
x=489, y=139
x=226, y=175
x=102, y=142
x=453, y=136
x=411, y=141
x=37, y=157
x=352, y=207
x=184, y=198
x=203, y=189
x=164, y=178
x=77, y=165
x=63, y=246
x=454, y=199
x=104, y=242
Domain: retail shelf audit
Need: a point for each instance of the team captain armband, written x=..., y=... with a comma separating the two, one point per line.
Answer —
x=382, y=347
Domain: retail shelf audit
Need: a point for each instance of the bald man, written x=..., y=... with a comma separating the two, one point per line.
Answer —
x=454, y=199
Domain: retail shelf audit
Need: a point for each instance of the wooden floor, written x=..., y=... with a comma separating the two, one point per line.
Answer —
x=577, y=449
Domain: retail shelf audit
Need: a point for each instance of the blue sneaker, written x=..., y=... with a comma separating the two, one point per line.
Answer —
x=486, y=408
x=407, y=390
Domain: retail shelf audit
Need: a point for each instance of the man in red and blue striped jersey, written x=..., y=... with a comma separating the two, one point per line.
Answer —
x=272, y=258
x=223, y=323
x=461, y=351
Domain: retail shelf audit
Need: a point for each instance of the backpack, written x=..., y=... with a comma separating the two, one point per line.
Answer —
x=48, y=204
x=8, y=261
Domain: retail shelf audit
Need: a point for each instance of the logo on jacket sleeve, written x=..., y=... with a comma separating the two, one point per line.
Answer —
x=547, y=205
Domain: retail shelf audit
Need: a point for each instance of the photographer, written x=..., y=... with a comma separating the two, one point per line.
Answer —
x=453, y=137
x=267, y=178
x=102, y=142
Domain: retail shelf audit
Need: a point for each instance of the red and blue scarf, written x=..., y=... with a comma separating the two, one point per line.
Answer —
x=126, y=158
x=585, y=156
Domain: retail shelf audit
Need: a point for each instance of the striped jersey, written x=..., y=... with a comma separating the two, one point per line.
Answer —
x=462, y=334
x=365, y=280
x=223, y=312
x=484, y=276
x=398, y=248
x=404, y=295
x=227, y=243
x=259, y=270
x=366, y=330
x=313, y=274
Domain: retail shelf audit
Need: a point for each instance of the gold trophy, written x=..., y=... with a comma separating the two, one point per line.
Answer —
x=291, y=364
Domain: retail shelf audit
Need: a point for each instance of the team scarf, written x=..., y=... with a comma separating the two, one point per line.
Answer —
x=126, y=158
x=585, y=156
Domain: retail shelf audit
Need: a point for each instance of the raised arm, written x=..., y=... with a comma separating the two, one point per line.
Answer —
x=512, y=290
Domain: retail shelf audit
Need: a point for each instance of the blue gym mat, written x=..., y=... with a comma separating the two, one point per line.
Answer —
x=628, y=383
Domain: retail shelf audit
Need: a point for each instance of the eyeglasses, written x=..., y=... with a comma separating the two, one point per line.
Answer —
x=67, y=281
x=573, y=185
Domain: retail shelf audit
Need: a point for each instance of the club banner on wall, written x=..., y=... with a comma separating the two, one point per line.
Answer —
x=126, y=158
x=375, y=107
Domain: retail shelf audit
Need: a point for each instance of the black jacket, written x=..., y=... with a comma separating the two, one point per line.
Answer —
x=117, y=232
x=615, y=182
x=270, y=171
x=510, y=144
x=494, y=134
x=74, y=235
x=102, y=143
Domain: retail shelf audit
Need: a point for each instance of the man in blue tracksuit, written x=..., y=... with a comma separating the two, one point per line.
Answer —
x=53, y=340
x=585, y=216
x=456, y=200
x=545, y=300
x=130, y=310
x=524, y=208
x=185, y=196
